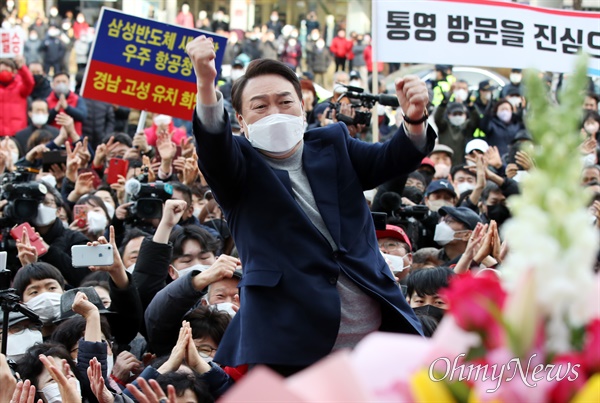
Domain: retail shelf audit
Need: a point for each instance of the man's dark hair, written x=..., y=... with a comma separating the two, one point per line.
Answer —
x=261, y=67
x=36, y=271
x=131, y=234
x=183, y=381
x=69, y=332
x=487, y=190
x=208, y=322
x=39, y=136
x=428, y=281
x=594, y=96
x=96, y=279
x=61, y=73
x=95, y=201
x=461, y=168
x=119, y=137
x=36, y=100
x=187, y=192
x=207, y=242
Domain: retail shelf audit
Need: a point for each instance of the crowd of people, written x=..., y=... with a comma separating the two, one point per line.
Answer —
x=244, y=236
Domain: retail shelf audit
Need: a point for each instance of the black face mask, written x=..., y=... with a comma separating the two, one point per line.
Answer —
x=430, y=310
x=498, y=213
x=38, y=78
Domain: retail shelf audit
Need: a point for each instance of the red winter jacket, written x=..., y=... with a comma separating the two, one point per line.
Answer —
x=13, y=102
x=178, y=134
x=368, y=55
x=340, y=47
x=76, y=108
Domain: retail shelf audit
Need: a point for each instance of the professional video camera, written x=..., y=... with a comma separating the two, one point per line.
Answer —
x=148, y=198
x=23, y=195
x=362, y=102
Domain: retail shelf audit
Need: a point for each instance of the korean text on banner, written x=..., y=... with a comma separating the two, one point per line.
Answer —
x=142, y=64
x=11, y=43
x=485, y=33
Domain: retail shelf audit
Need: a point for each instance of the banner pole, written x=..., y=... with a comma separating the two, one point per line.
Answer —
x=375, y=75
x=142, y=122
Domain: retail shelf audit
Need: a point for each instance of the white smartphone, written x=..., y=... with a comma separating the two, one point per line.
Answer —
x=3, y=257
x=84, y=256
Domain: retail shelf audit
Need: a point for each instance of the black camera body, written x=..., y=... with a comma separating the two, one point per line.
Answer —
x=23, y=196
x=148, y=202
x=361, y=99
x=418, y=212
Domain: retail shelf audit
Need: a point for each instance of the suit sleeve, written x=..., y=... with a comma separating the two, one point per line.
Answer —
x=151, y=269
x=127, y=318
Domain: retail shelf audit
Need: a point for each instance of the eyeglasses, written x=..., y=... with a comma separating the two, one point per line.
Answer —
x=19, y=328
x=205, y=350
x=390, y=245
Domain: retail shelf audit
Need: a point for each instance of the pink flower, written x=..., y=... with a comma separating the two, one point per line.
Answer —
x=569, y=377
x=474, y=302
x=591, y=347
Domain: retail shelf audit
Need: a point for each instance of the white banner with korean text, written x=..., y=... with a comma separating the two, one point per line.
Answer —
x=485, y=33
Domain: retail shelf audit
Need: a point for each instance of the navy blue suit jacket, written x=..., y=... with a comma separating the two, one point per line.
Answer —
x=290, y=307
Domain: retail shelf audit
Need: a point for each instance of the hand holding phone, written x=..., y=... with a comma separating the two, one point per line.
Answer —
x=92, y=255
x=116, y=167
x=80, y=215
x=26, y=235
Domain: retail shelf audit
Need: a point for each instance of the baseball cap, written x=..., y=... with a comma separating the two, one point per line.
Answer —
x=438, y=185
x=442, y=148
x=392, y=231
x=238, y=63
x=485, y=85
x=428, y=161
x=476, y=144
x=354, y=74
x=454, y=107
x=463, y=214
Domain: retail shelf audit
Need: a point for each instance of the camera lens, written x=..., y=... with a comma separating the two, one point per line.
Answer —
x=149, y=208
x=25, y=208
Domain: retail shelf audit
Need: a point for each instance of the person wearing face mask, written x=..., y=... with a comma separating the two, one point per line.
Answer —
x=456, y=125
x=453, y=231
x=591, y=124
x=274, y=24
x=53, y=49
x=319, y=60
x=288, y=192
x=16, y=83
x=56, y=238
x=501, y=124
x=22, y=334
x=97, y=217
x=237, y=70
x=62, y=99
x=42, y=87
x=291, y=53
x=438, y=194
x=30, y=48
x=492, y=205
x=340, y=48
x=463, y=179
x=394, y=241
x=163, y=124
x=516, y=75
x=38, y=115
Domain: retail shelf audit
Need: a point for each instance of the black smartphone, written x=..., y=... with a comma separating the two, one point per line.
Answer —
x=379, y=219
x=50, y=158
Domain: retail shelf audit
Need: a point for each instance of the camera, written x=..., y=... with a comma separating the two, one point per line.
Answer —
x=23, y=196
x=149, y=199
x=417, y=212
x=360, y=100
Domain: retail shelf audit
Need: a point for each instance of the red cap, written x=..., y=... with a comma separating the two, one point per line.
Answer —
x=392, y=231
x=428, y=161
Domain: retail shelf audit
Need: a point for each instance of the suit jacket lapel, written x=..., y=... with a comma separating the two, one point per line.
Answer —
x=321, y=169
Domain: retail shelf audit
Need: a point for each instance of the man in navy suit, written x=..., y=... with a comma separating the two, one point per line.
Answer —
x=314, y=280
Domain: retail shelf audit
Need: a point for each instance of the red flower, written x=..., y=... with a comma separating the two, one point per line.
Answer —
x=591, y=347
x=567, y=377
x=472, y=301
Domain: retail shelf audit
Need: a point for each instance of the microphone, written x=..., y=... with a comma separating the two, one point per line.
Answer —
x=132, y=187
x=390, y=201
x=388, y=100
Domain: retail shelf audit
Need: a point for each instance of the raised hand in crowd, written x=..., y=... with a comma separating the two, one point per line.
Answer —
x=192, y=357
x=83, y=185
x=151, y=392
x=511, y=170
x=25, y=251
x=84, y=152
x=126, y=367
x=82, y=306
x=147, y=164
x=489, y=251
x=588, y=146
x=191, y=171
x=73, y=161
x=8, y=383
x=119, y=188
x=99, y=389
x=178, y=353
x=167, y=150
x=172, y=212
x=141, y=143
x=59, y=171
x=102, y=152
x=117, y=270
x=481, y=167
x=36, y=153
x=67, y=129
x=473, y=245
x=493, y=158
x=524, y=160
x=23, y=393
x=224, y=267
x=187, y=147
x=6, y=161
x=64, y=378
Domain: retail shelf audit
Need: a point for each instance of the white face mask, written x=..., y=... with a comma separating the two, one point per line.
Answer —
x=444, y=234
x=162, y=120
x=277, y=133
x=61, y=88
x=396, y=263
x=355, y=83
x=39, y=119
x=457, y=120
x=435, y=205
x=97, y=221
x=515, y=78
x=131, y=268
x=464, y=186
x=236, y=73
x=460, y=95
x=15, y=156
x=45, y=216
x=225, y=307
x=110, y=363
x=46, y=306
x=320, y=44
x=591, y=128
x=514, y=101
x=49, y=180
x=199, y=267
x=486, y=95
x=110, y=209
x=17, y=344
x=52, y=393
x=197, y=211
x=504, y=116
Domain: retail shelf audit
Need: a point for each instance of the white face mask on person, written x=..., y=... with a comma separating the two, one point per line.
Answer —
x=463, y=187
x=97, y=221
x=110, y=209
x=504, y=116
x=46, y=306
x=236, y=73
x=17, y=344
x=39, y=119
x=457, y=120
x=444, y=234
x=460, y=95
x=199, y=267
x=277, y=133
x=45, y=216
x=52, y=393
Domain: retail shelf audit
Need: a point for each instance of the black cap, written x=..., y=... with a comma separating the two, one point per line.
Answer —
x=438, y=185
x=485, y=85
x=354, y=74
x=516, y=70
x=454, y=107
x=238, y=63
x=463, y=214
